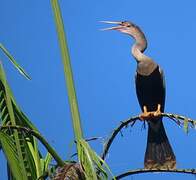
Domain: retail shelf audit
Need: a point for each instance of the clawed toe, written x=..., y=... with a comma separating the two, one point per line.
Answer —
x=146, y=115
x=158, y=111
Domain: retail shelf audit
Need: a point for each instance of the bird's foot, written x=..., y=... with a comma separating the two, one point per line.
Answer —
x=158, y=111
x=147, y=115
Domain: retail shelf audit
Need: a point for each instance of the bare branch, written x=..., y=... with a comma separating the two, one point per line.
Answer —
x=131, y=121
x=139, y=171
x=115, y=132
x=179, y=118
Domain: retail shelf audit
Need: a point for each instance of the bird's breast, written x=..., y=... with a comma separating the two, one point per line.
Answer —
x=145, y=68
x=150, y=90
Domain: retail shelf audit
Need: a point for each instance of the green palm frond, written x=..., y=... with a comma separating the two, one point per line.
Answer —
x=10, y=151
x=13, y=61
x=67, y=70
x=88, y=159
x=11, y=115
x=47, y=161
x=186, y=126
x=94, y=167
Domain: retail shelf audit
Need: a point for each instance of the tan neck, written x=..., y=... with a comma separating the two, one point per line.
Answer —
x=140, y=45
x=145, y=64
x=137, y=53
x=138, y=35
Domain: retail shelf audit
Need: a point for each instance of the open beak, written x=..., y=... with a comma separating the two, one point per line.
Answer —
x=112, y=22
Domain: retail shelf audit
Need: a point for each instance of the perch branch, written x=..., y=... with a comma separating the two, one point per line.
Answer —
x=41, y=139
x=175, y=117
x=115, y=132
x=139, y=171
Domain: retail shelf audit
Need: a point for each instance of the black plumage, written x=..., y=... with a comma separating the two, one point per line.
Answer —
x=150, y=91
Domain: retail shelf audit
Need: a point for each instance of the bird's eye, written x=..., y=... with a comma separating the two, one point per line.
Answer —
x=127, y=24
x=123, y=22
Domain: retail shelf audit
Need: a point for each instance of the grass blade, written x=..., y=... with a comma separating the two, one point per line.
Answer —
x=67, y=70
x=47, y=161
x=9, y=116
x=186, y=126
x=13, y=61
x=88, y=159
x=11, y=154
x=92, y=163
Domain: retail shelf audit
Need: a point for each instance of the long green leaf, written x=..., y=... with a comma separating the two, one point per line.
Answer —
x=186, y=126
x=36, y=157
x=8, y=110
x=47, y=161
x=10, y=115
x=86, y=160
x=92, y=163
x=67, y=70
x=12, y=156
x=13, y=61
x=89, y=160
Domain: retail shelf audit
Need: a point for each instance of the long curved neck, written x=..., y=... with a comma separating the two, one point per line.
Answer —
x=145, y=64
x=138, y=35
x=140, y=45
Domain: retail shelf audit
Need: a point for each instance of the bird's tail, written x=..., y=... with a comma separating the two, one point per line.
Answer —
x=159, y=153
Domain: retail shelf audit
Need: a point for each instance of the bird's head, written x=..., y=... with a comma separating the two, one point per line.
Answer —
x=131, y=29
x=124, y=26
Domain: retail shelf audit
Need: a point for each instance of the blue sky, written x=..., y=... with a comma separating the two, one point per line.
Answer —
x=103, y=71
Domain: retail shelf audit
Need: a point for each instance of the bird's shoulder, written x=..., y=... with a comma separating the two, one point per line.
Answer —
x=145, y=68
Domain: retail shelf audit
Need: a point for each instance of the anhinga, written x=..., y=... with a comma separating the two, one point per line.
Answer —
x=150, y=89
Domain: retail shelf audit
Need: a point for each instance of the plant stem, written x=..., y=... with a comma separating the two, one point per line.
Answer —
x=67, y=70
x=59, y=161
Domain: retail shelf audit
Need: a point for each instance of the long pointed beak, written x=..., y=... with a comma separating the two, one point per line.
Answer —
x=111, y=22
x=112, y=28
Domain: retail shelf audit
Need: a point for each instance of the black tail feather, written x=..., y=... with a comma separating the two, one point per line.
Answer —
x=159, y=153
